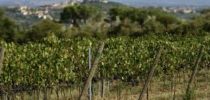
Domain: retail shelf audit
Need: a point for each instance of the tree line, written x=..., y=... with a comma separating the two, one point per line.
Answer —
x=91, y=21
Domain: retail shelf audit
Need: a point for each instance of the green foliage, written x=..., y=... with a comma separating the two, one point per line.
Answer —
x=151, y=20
x=97, y=29
x=205, y=11
x=89, y=21
x=44, y=28
x=126, y=28
x=104, y=6
x=55, y=61
x=1, y=13
x=186, y=28
x=190, y=95
x=78, y=14
x=206, y=26
x=9, y=30
x=200, y=23
x=153, y=26
x=167, y=19
x=141, y=15
x=118, y=11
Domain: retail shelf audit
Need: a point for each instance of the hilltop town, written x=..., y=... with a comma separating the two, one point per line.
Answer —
x=182, y=10
x=42, y=12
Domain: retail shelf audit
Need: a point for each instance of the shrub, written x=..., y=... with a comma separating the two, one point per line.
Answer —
x=9, y=30
x=78, y=14
x=43, y=28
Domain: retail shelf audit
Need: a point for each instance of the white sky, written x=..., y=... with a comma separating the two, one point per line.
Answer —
x=131, y=2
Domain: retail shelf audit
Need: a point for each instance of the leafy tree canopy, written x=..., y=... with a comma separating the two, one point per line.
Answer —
x=78, y=14
x=44, y=28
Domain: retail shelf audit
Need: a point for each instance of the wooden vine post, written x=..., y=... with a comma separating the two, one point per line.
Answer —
x=1, y=66
x=102, y=87
x=89, y=64
x=194, y=71
x=92, y=71
x=152, y=70
x=1, y=58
